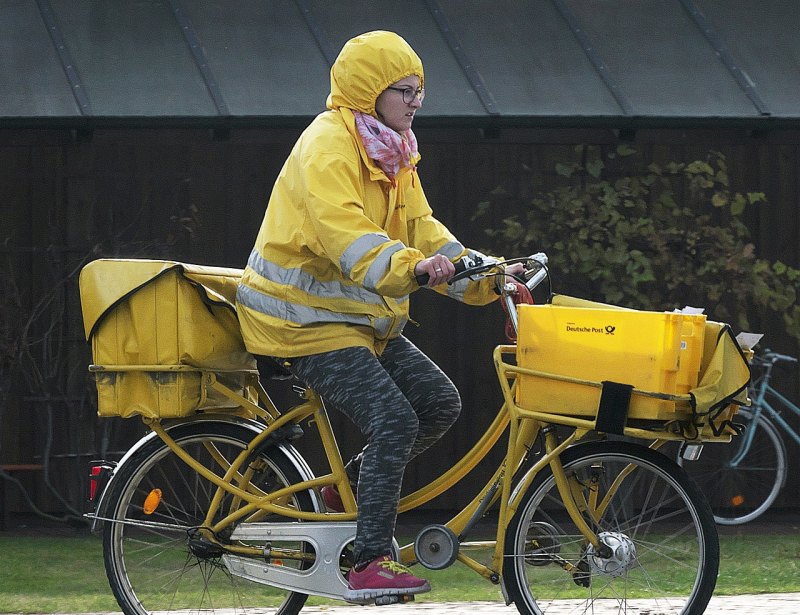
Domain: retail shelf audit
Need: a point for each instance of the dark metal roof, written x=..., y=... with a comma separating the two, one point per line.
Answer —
x=545, y=62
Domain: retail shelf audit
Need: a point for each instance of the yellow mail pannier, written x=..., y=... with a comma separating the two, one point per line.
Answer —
x=680, y=369
x=157, y=329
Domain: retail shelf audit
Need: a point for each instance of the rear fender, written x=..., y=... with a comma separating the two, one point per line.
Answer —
x=281, y=439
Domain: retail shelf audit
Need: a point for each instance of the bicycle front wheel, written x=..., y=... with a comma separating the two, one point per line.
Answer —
x=660, y=549
x=156, y=555
x=741, y=482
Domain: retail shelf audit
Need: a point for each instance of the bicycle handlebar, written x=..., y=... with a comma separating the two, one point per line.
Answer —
x=768, y=357
x=535, y=273
x=535, y=265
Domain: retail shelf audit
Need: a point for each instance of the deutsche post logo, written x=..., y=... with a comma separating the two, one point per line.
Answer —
x=605, y=330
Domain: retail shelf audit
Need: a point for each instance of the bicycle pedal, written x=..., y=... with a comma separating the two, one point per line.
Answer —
x=394, y=599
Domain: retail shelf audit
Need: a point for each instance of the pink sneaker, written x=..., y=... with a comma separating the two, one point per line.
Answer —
x=382, y=577
x=332, y=499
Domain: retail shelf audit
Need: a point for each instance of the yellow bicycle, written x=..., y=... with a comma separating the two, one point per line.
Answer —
x=215, y=509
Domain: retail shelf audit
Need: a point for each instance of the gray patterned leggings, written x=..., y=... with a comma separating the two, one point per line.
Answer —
x=402, y=402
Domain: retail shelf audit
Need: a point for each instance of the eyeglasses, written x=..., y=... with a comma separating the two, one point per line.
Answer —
x=409, y=94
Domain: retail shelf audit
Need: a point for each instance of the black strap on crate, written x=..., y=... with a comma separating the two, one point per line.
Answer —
x=612, y=412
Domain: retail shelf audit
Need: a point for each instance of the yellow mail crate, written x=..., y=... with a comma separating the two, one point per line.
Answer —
x=148, y=322
x=658, y=352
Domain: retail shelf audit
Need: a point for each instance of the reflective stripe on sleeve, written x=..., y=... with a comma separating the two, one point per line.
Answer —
x=451, y=250
x=380, y=266
x=458, y=289
x=356, y=250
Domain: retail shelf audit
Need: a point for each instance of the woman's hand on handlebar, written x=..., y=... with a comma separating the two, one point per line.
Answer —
x=438, y=268
x=507, y=273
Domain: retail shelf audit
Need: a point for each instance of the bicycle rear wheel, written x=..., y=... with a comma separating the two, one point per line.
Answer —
x=160, y=561
x=741, y=493
x=663, y=548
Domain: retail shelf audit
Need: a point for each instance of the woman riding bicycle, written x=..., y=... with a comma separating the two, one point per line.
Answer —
x=326, y=288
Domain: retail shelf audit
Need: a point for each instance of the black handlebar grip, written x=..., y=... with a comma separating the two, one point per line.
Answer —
x=423, y=278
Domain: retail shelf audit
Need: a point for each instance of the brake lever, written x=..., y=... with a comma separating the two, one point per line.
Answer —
x=475, y=268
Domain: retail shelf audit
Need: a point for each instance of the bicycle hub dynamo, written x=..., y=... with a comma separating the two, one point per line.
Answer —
x=620, y=551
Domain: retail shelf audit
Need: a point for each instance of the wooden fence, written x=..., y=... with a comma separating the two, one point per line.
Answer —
x=67, y=198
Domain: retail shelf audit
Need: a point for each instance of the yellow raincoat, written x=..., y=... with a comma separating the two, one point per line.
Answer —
x=333, y=262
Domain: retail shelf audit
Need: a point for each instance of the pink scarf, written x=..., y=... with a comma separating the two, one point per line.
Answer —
x=390, y=150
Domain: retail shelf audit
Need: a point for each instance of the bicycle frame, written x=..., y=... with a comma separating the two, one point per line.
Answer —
x=524, y=428
x=255, y=505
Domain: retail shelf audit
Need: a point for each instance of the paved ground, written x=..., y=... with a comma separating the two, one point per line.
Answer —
x=765, y=604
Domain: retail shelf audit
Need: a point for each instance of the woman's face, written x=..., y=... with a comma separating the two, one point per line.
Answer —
x=391, y=108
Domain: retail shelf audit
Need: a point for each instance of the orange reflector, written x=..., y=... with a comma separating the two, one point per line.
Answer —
x=152, y=501
x=737, y=500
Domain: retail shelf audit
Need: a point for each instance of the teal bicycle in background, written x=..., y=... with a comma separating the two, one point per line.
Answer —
x=742, y=479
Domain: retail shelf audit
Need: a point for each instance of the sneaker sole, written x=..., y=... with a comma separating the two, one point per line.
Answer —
x=366, y=596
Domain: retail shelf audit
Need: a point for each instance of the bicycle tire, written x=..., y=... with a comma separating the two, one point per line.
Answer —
x=660, y=530
x=163, y=569
x=741, y=494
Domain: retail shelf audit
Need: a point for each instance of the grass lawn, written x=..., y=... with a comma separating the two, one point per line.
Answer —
x=45, y=574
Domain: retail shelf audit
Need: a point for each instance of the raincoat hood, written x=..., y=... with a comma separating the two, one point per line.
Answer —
x=366, y=65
